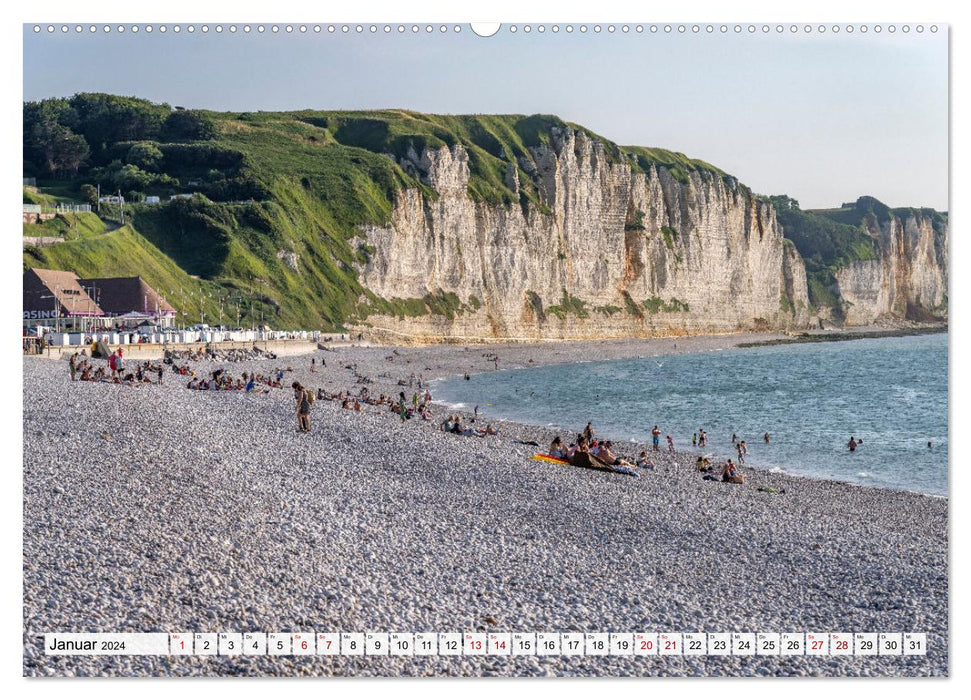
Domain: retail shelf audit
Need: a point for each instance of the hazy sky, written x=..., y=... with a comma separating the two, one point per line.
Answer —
x=823, y=118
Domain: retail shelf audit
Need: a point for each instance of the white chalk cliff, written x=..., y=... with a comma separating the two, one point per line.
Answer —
x=908, y=280
x=614, y=251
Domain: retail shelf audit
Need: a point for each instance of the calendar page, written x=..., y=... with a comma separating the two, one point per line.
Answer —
x=437, y=348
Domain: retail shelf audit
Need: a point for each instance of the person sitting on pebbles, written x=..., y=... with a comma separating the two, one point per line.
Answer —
x=731, y=474
x=644, y=462
x=606, y=455
x=556, y=448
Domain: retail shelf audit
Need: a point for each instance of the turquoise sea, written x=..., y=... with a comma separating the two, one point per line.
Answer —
x=810, y=398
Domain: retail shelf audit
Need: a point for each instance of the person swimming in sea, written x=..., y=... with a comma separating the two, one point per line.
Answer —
x=852, y=444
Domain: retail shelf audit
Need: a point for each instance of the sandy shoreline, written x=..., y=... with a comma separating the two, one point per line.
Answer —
x=373, y=524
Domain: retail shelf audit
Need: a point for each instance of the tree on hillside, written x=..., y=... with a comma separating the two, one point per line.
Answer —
x=55, y=148
x=188, y=125
x=783, y=202
x=145, y=155
x=89, y=194
x=107, y=119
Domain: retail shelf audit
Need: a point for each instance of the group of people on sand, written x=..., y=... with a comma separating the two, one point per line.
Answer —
x=418, y=406
x=251, y=382
x=82, y=369
x=587, y=451
x=454, y=424
x=730, y=472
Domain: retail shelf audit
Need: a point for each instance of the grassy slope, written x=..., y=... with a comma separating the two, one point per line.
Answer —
x=124, y=253
x=68, y=226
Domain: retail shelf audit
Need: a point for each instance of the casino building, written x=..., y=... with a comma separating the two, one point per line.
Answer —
x=62, y=300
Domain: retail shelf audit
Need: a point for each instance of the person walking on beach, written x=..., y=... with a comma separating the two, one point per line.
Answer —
x=313, y=365
x=160, y=374
x=656, y=438
x=74, y=367
x=670, y=443
x=742, y=451
x=302, y=397
x=402, y=406
x=852, y=444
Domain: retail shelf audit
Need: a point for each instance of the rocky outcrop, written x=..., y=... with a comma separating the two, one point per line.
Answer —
x=795, y=288
x=612, y=250
x=908, y=281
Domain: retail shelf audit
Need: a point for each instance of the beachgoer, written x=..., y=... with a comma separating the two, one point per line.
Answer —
x=742, y=451
x=731, y=474
x=930, y=445
x=670, y=443
x=302, y=397
x=694, y=439
x=313, y=365
x=852, y=444
x=644, y=462
x=607, y=456
x=556, y=448
x=74, y=366
x=588, y=432
x=767, y=438
x=734, y=438
x=656, y=438
x=702, y=438
x=700, y=463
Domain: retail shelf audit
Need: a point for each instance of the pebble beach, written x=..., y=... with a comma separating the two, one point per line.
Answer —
x=159, y=509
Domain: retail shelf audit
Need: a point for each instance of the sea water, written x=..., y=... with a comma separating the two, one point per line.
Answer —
x=810, y=398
